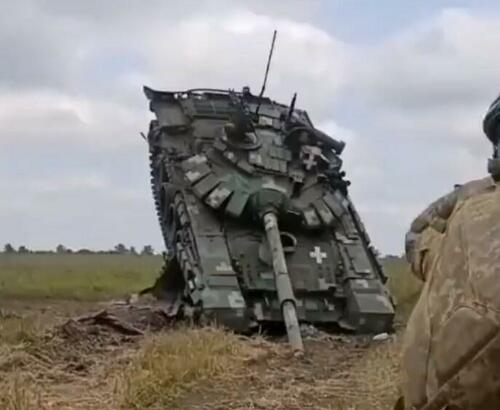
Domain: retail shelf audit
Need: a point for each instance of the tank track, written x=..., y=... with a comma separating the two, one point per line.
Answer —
x=174, y=270
x=155, y=165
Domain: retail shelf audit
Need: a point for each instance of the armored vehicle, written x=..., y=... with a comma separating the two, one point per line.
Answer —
x=255, y=213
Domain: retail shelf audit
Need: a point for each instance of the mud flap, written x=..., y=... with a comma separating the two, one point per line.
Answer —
x=226, y=307
x=368, y=309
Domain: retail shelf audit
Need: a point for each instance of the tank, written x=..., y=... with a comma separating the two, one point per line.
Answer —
x=258, y=224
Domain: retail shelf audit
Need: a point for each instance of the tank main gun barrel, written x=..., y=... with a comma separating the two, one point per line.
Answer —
x=283, y=283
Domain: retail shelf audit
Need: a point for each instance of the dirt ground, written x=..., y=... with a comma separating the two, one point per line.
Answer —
x=62, y=358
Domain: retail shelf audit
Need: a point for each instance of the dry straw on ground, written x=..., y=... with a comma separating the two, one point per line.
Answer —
x=87, y=366
x=170, y=364
x=192, y=368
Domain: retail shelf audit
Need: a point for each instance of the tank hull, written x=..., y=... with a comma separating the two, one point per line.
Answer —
x=216, y=169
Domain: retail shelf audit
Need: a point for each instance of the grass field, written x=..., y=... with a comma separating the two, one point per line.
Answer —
x=185, y=368
x=75, y=277
x=100, y=276
x=403, y=285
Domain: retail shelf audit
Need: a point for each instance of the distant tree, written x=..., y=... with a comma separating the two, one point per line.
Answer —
x=84, y=252
x=121, y=249
x=133, y=251
x=391, y=257
x=8, y=248
x=61, y=249
x=147, y=250
x=23, y=249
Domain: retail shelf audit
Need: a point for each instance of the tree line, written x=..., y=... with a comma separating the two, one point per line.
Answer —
x=119, y=249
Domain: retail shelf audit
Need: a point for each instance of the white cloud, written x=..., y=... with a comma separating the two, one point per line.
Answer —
x=409, y=107
x=48, y=117
x=229, y=50
x=358, y=158
x=448, y=60
x=214, y=49
x=433, y=81
x=426, y=90
x=64, y=183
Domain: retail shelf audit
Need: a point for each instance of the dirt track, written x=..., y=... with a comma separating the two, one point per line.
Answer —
x=80, y=366
x=332, y=375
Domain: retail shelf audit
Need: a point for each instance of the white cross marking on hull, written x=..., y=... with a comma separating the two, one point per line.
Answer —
x=318, y=254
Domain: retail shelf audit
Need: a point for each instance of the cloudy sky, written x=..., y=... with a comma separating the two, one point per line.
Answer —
x=405, y=84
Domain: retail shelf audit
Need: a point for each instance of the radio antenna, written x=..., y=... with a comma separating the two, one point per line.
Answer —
x=267, y=72
x=292, y=107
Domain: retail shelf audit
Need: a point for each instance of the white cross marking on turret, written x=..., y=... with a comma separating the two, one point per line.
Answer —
x=318, y=254
x=309, y=161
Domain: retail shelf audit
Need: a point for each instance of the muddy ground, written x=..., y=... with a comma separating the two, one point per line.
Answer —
x=60, y=356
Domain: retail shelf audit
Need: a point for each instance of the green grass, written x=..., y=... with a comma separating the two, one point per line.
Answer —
x=75, y=277
x=403, y=285
x=98, y=277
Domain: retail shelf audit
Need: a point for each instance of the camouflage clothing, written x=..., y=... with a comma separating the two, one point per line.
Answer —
x=451, y=353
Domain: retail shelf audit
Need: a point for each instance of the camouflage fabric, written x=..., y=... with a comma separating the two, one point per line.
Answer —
x=451, y=352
